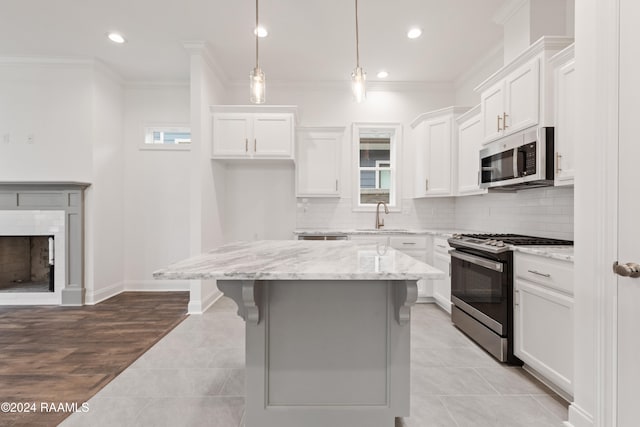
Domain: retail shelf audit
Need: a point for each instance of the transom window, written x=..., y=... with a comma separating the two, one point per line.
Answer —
x=163, y=137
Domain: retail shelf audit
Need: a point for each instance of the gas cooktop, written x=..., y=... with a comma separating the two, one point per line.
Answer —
x=497, y=243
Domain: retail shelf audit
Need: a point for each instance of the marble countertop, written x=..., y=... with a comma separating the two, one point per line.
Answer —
x=390, y=230
x=300, y=260
x=564, y=253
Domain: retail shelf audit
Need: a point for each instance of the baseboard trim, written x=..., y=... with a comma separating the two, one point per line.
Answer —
x=156, y=285
x=578, y=417
x=544, y=380
x=425, y=300
x=443, y=303
x=93, y=297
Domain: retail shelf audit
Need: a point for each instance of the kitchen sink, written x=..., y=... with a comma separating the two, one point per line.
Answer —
x=383, y=230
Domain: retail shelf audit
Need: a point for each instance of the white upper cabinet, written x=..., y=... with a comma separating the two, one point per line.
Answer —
x=250, y=132
x=565, y=115
x=469, y=127
x=436, y=152
x=318, y=161
x=520, y=94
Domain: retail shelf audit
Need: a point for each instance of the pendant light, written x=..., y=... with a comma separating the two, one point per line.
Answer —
x=256, y=78
x=358, y=77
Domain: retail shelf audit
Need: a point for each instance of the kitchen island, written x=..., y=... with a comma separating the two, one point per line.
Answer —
x=327, y=327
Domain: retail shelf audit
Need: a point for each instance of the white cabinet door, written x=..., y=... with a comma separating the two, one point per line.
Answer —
x=522, y=97
x=438, y=159
x=231, y=135
x=318, y=163
x=543, y=323
x=442, y=287
x=564, y=137
x=492, y=108
x=469, y=144
x=272, y=136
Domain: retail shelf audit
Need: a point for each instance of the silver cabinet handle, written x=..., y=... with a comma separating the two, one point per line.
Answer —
x=517, y=298
x=408, y=243
x=442, y=246
x=539, y=274
x=255, y=144
x=558, y=157
x=630, y=269
x=499, y=118
x=426, y=184
x=482, y=262
x=504, y=120
x=246, y=144
x=336, y=185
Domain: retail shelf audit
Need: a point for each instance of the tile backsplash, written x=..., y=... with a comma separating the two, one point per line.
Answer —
x=544, y=212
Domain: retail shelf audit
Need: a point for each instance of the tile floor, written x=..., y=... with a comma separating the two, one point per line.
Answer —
x=194, y=377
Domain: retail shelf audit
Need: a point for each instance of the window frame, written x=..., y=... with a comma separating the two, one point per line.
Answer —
x=395, y=169
x=149, y=128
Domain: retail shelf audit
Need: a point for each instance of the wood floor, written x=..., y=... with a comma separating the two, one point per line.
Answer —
x=52, y=354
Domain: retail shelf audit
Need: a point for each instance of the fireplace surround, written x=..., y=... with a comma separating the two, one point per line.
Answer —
x=48, y=209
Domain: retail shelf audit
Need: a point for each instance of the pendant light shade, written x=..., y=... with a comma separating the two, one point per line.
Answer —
x=358, y=77
x=257, y=82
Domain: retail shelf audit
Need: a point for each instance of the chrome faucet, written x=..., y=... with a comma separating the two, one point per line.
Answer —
x=380, y=221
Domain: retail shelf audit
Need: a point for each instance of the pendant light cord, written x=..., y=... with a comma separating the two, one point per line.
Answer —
x=257, y=66
x=357, y=40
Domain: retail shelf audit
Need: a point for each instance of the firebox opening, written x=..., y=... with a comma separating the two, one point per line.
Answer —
x=27, y=264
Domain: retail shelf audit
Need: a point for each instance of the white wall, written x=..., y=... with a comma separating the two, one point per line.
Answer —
x=544, y=212
x=332, y=105
x=53, y=102
x=157, y=191
x=104, y=198
x=464, y=85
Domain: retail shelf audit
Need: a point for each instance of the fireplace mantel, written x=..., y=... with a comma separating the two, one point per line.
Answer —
x=67, y=196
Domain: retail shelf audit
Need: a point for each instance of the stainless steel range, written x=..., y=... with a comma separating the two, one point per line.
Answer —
x=482, y=288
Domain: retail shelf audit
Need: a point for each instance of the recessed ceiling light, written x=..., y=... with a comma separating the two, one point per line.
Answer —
x=116, y=38
x=383, y=74
x=261, y=32
x=414, y=33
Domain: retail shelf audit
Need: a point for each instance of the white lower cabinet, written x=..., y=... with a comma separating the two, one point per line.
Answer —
x=442, y=261
x=543, y=319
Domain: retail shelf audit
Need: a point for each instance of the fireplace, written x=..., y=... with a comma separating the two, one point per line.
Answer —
x=27, y=263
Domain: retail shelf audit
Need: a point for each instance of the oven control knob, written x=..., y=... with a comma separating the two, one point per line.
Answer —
x=491, y=242
x=500, y=244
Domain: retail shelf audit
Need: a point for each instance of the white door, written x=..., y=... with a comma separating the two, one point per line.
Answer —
x=439, y=157
x=522, y=97
x=492, y=107
x=231, y=134
x=272, y=136
x=628, y=214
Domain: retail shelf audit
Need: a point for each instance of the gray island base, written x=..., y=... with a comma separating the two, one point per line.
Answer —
x=327, y=328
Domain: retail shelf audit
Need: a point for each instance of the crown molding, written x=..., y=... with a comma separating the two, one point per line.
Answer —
x=453, y=110
x=550, y=44
x=564, y=55
x=47, y=60
x=466, y=116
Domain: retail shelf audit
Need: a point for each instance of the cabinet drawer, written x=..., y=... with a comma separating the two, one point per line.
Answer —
x=408, y=242
x=441, y=245
x=549, y=272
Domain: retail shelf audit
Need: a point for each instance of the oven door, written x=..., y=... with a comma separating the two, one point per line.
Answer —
x=479, y=287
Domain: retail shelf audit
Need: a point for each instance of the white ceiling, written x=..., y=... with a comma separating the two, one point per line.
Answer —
x=308, y=41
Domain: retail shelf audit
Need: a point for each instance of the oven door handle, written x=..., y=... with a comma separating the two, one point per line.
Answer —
x=482, y=262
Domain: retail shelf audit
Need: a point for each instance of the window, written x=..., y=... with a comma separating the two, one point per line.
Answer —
x=376, y=148
x=166, y=137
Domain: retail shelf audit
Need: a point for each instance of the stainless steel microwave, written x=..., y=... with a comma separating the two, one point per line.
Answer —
x=519, y=161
